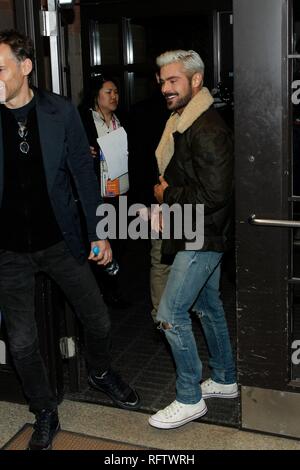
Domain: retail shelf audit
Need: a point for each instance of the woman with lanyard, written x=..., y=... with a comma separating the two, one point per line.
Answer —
x=99, y=119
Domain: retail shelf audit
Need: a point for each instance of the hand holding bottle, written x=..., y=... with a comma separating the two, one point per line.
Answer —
x=111, y=268
x=104, y=255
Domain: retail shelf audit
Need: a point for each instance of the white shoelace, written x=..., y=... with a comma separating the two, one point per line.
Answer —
x=172, y=409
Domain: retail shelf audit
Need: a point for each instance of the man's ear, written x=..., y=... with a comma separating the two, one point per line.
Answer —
x=26, y=67
x=197, y=80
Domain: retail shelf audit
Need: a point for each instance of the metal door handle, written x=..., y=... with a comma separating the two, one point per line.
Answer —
x=273, y=222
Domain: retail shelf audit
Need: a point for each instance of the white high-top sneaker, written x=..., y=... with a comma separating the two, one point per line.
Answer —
x=212, y=389
x=177, y=414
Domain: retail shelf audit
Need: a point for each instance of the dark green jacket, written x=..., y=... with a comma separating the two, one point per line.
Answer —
x=201, y=172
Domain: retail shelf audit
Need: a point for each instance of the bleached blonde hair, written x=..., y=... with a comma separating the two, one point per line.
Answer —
x=191, y=60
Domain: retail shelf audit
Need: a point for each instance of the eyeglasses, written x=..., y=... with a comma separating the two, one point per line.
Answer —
x=23, y=132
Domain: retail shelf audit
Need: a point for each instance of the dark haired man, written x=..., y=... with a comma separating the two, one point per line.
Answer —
x=42, y=142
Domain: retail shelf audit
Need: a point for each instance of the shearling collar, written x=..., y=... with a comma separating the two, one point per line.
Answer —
x=180, y=123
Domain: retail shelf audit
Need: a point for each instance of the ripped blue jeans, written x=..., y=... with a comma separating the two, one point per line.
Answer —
x=193, y=284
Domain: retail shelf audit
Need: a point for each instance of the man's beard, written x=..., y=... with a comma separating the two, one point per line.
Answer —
x=181, y=103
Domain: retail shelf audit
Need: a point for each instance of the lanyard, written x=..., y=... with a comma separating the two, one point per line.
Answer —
x=114, y=122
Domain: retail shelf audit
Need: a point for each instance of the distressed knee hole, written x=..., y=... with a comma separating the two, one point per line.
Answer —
x=200, y=313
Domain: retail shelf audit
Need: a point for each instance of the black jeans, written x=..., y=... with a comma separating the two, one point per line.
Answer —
x=17, y=282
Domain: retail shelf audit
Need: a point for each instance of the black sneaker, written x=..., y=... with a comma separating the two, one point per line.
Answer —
x=111, y=383
x=45, y=428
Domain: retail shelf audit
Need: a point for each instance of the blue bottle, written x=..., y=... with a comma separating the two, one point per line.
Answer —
x=111, y=268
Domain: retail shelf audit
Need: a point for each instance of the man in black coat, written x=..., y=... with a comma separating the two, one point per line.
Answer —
x=195, y=159
x=43, y=144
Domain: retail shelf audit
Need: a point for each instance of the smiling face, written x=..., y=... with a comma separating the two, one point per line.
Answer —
x=14, y=75
x=108, y=98
x=177, y=86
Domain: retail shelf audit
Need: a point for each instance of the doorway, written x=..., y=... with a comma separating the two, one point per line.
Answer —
x=123, y=44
